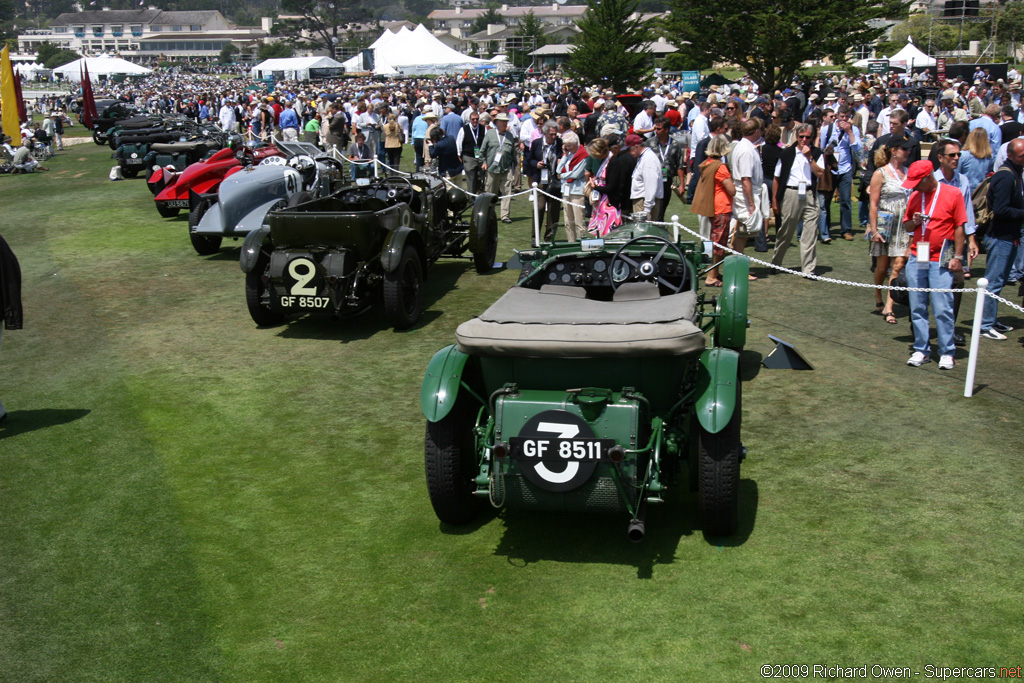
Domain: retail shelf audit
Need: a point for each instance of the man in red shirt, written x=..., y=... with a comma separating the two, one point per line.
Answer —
x=936, y=216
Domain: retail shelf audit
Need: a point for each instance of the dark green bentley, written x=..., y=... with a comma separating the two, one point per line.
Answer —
x=601, y=381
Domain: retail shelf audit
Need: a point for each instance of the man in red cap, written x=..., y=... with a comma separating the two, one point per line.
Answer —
x=936, y=216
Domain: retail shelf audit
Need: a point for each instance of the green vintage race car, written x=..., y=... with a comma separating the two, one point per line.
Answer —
x=599, y=382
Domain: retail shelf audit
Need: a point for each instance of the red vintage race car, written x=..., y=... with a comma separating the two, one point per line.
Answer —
x=203, y=177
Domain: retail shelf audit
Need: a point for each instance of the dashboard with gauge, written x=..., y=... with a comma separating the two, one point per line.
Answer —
x=602, y=269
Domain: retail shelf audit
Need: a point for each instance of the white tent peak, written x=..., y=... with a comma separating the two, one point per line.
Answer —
x=415, y=51
x=103, y=65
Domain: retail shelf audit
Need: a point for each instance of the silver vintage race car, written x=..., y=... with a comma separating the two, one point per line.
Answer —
x=247, y=195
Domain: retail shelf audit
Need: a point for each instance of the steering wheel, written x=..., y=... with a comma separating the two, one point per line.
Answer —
x=303, y=163
x=647, y=270
x=392, y=193
x=272, y=161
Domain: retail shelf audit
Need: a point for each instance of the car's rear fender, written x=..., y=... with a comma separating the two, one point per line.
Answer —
x=251, y=247
x=441, y=383
x=717, y=383
x=478, y=225
x=391, y=254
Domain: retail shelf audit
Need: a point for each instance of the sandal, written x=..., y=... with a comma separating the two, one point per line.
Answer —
x=879, y=305
x=889, y=318
x=712, y=283
x=751, y=277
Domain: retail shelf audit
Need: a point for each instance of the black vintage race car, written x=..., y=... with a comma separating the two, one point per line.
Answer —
x=372, y=240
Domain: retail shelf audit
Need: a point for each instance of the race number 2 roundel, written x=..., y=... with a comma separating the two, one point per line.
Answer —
x=556, y=450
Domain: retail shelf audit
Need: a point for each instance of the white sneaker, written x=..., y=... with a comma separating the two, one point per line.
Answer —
x=918, y=359
x=992, y=334
x=946, y=363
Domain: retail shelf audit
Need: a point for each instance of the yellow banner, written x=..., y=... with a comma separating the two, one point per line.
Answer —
x=10, y=100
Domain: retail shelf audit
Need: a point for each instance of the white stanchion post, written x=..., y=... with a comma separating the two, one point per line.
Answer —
x=536, y=214
x=675, y=228
x=972, y=360
x=376, y=168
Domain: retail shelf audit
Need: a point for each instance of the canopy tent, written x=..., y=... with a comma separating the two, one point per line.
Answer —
x=30, y=71
x=416, y=52
x=297, y=68
x=99, y=66
x=907, y=58
x=715, y=79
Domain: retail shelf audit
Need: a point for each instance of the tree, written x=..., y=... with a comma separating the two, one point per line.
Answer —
x=611, y=49
x=491, y=16
x=770, y=39
x=319, y=22
x=51, y=56
x=276, y=50
x=1010, y=26
x=529, y=36
x=227, y=54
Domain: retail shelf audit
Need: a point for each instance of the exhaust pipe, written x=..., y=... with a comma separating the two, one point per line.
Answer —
x=636, y=529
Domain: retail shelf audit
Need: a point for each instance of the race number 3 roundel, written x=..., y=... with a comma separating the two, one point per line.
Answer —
x=556, y=450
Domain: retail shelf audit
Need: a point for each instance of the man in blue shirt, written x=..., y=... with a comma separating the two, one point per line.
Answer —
x=949, y=157
x=844, y=138
x=451, y=123
x=289, y=123
x=419, y=133
x=989, y=123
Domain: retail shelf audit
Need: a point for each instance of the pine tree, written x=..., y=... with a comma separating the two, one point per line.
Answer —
x=612, y=49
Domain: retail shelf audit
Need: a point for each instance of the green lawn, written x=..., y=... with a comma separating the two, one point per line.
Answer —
x=186, y=497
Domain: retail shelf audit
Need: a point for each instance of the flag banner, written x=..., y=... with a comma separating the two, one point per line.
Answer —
x=88, y=101
x=9, y=96
x=22, y=116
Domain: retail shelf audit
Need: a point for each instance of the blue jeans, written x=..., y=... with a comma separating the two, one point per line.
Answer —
x=999, y=255
x=844, y=182
x=824, y=215
x=863, y=213
x=417, y=146
x=1017, y=271
x=931, y=274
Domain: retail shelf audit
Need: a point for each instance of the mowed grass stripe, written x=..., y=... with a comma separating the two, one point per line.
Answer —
x=264, y=488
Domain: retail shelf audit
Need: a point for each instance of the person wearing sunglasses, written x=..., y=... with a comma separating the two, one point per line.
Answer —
x=797, y=173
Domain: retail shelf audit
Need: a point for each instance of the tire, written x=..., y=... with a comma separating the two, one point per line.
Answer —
x=403, y=291
x=483, y=260
x=97, y=139
x=450, y=462
x=254, y=289
x=299, y=198
x=168, y=212
x=133, y=173
x=203, y=244
x=718, y=475
x=112, y=142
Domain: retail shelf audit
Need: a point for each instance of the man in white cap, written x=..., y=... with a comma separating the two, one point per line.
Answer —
x=498, y=156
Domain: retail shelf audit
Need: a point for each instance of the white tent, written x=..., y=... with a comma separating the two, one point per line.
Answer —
x=416, y=52
x=30, y=71
x=99, y=66
x=910, y=57
x=907, y=58
x=296, y=68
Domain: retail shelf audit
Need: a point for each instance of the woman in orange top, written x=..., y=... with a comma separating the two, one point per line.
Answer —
x=713, y=199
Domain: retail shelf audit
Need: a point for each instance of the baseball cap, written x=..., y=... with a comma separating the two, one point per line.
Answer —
x=917, y=172
x=632, y=140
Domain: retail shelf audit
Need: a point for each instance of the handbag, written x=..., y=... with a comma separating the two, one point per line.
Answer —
x=885, y=223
